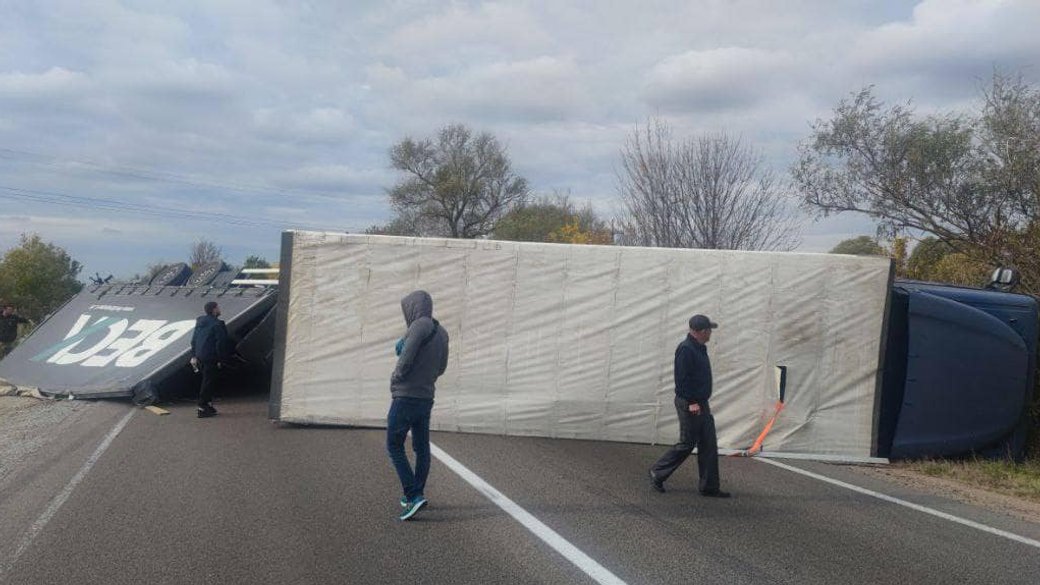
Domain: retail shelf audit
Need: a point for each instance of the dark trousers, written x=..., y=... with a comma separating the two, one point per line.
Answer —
x=210, y=378
x=695, y=430
x=410, y=414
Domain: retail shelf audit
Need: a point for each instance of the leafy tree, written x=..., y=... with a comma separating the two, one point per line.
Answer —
x=861, y=246
x=457, y=184
x=936, y=261
x=546, y=219
x=573, y=233
x=926, y=255
x=534, y=221
x=408, y=223
x=958, y=268
x=713, y=191
x=898, y=252
x=970, y=179
x=37, y=277
x=256, y=262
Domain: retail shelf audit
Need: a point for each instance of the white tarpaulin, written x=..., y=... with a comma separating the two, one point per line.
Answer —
x=578, y=341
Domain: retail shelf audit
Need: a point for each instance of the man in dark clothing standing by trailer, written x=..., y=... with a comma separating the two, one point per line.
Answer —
x=696, y=424
x=210, y=350
x=9, y=322
x=422, y=358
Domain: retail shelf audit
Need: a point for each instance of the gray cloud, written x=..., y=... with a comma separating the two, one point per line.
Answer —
x=56, y=81
x=536, y=90
x=952, y=37
x=725, y=78
x=284, y=112
x=492, y=31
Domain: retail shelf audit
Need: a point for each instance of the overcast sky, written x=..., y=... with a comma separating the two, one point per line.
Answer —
x=280, y=114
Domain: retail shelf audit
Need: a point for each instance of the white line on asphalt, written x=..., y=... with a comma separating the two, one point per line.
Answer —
x=549, y=536
x=911, y=505
x=56, y=503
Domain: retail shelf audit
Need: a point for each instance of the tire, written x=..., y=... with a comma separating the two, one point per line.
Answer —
x=205, y=274
x=223, y=279
x=172, y=275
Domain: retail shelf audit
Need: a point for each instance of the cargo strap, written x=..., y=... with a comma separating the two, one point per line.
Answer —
x=756, y=447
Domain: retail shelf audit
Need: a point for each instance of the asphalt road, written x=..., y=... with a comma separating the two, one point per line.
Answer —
x=238, y=499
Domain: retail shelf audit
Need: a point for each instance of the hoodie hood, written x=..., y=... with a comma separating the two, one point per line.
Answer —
x=416, y=305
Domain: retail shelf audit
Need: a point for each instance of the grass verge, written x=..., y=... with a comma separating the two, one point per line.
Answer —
x=1006, y=477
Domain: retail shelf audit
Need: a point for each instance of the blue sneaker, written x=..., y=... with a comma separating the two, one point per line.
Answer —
x=413, y=508
x=404, y=501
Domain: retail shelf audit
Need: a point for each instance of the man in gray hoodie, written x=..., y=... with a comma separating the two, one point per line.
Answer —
x=422, y=358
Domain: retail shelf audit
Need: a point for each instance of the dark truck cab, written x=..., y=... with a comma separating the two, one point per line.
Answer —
x=959, y=372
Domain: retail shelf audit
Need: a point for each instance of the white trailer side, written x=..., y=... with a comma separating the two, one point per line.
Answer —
x=578, y=341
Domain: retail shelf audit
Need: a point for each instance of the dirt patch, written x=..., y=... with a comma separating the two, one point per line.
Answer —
x=26, y=424
x=1018, y=507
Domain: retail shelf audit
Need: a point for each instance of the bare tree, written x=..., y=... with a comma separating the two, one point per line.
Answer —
x=710, y=192
x=203, y=252
x=460, y=183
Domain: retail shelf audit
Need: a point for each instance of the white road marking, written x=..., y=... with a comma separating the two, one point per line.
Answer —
x=808, y=456
x=549, y=536
x=56, y=503
x=911, y=505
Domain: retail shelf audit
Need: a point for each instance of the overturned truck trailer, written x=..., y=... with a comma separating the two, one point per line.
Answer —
x=577, y=341
x=119, y=340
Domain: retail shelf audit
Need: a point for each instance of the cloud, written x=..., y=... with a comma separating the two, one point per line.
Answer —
x=51, y=96
x=726, y=78
x=279, y=111
x=178, y=80
x=319, y=124
x=334, y=178
x=948, y=40
x=493, y=29
x=54, y=81
x=534, y=90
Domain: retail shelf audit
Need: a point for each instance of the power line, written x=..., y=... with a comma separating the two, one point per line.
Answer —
x=101, y=204
x=165, y=176
x=115, y=205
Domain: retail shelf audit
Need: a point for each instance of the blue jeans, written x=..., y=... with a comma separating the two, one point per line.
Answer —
x=410, y=414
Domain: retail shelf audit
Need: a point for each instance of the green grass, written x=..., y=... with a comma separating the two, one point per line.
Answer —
x=1006, y=477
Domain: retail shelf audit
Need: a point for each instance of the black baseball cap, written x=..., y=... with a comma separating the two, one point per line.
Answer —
x=700, y=323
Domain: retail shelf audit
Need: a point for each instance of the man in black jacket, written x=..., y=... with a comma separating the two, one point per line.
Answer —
x=210, y=350
x=696, y=424
x=9, y=322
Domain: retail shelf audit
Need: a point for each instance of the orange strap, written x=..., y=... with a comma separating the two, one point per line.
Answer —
x=757, y=446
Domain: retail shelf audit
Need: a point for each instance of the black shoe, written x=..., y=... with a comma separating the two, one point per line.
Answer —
x=715, y=494
x=206, y=412
x=655, y=483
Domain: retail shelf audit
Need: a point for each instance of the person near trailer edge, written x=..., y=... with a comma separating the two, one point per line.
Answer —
x=422, y=358
x=9, y=322
x=696, y=424
x=210, y=350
